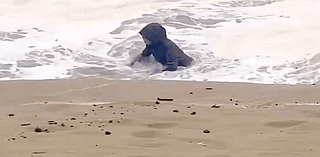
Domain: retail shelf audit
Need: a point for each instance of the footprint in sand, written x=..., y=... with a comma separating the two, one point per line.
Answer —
x=161, y=125
x=145, y=134
x=284, y=124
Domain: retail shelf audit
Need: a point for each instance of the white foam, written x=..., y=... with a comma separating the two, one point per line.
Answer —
x=274, y=42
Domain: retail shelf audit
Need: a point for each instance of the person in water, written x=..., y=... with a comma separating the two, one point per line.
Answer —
x=163, y=49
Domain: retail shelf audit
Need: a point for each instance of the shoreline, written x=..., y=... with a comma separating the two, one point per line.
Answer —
x=157, y=118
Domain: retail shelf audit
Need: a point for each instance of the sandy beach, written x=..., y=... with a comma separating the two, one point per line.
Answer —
x=95, y=117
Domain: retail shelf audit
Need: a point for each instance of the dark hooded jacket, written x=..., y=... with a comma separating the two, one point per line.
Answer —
x=164, y=50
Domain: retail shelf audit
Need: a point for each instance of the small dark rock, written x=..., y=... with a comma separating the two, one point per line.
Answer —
x=157, y=102
x=206, y=131
x=175, y=111
x=85, y=114
x=11, y=115
x=107, y=133
x=215, y=106
x=71, y=126
x=51, y=122
x=193, y=113
x=121, y=113
x=164, y=99
x=230, y=99
x=191, y=93
x=276, y=104
x=110, y=121
x=25, y=124
x=111, y=106
x=236, y=104
x=92, y=110
x=62, y=124
x=94, y=105
x=101, y=106
x=73, y=118
x=209, y=88
x=37, y=129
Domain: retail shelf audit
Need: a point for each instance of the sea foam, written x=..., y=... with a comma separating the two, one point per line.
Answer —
x=231, y=41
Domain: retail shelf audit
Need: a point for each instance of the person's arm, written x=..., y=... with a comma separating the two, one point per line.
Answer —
x=145, y=53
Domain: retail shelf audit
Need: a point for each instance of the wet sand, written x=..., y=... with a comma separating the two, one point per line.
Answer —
x=95, y=117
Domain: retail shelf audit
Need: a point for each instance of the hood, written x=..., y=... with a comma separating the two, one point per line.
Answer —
x=154, y=32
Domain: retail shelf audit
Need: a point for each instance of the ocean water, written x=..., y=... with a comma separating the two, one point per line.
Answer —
x=257, y=41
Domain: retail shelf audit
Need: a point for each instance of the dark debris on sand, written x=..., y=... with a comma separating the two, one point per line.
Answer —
x=175, y=111
x=206, y=131
x=107, y=133
x=215, y=106
x=164, y=99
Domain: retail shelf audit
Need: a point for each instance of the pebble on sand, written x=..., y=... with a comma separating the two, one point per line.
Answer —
x=11, y=115
x=206, y=131
x=110, y=121
x=164, y=99
x=193, y=113
x=25, y=124
x=191, y=93
x=157, y=102
x=107, y=133
x=215, y=106
x=37, y=129
x=175, y=111
x=51, y=122
x=73, y=118
x=209, y=88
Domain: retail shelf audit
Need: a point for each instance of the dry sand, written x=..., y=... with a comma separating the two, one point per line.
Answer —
x=268, y=120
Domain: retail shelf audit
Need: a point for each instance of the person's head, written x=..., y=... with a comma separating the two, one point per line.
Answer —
x=153, y=33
